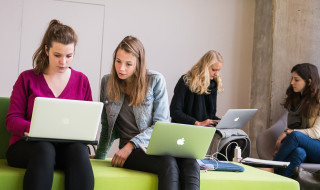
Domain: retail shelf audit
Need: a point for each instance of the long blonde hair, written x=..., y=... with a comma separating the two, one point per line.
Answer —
x=198, y=77
x=139, y=84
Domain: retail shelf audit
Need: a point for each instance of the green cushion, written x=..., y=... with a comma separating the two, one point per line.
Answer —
x=251, y=178
x=107, y=177
x=4, y=133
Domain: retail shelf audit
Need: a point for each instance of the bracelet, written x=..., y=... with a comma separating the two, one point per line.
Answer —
x=286, y=131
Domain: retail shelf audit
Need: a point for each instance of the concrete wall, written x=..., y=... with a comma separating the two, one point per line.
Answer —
x=286, y=32
x=296, y=40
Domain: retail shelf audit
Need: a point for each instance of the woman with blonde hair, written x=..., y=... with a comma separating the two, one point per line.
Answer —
x=134, y=99
x=195, y=95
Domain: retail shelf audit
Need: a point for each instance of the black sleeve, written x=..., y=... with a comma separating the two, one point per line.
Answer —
x=177, y=104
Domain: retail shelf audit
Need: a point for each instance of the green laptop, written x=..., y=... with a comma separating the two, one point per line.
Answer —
x=179, y=140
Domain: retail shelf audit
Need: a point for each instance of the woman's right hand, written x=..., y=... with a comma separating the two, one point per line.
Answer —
x=121, y=156
x=206, y=122
x=279, y=142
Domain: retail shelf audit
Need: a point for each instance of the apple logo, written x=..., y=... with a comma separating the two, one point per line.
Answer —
x=236, y=119
x=180, y=141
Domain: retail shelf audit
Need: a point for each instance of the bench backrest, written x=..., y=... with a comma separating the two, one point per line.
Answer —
x=4, y=133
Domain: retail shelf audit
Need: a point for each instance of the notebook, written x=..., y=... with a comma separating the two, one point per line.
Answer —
x=62, y=120
x=236, y=118
x=179, y=140
x=264, y=163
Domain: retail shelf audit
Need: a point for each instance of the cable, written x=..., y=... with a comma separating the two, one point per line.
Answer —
x=228, y=146
x=245, y=146
x=211, y=157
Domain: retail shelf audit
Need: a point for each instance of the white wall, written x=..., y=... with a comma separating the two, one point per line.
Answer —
x=175, y=33
x=10, y=22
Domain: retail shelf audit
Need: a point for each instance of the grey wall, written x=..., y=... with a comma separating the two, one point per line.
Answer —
x=175, y=35
x=296, y=40
x=286, y=32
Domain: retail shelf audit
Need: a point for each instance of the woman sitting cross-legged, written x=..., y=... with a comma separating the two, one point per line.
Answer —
x=300, y=140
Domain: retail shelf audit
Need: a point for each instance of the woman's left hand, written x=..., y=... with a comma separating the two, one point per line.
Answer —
x=121, y=156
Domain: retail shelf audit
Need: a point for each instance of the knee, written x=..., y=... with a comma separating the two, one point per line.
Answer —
x=44, y=149
x=300, y=154
x=191, y=164
x=78, y=149
x=169, y=162
x=295, y=135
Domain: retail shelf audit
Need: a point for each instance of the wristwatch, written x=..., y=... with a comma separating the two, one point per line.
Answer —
x=286, y=131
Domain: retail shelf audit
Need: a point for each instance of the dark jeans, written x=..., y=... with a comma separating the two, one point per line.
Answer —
x=41, y=158
x=297, y=148
x=171, y=171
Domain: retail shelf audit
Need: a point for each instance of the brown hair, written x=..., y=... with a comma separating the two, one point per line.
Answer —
x=56, y=32
x=139, y=84
x=309, y=98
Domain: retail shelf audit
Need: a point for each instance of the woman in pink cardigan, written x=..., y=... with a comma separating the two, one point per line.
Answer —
x=51, y=77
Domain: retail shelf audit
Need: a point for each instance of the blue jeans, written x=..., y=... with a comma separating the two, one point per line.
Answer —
x=297, y=148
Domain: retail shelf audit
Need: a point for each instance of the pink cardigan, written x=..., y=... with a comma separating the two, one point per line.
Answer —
x=29, y=86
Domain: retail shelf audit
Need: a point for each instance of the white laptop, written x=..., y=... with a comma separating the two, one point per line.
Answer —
x=179, y=140
x=62, y=120
x=236, y=118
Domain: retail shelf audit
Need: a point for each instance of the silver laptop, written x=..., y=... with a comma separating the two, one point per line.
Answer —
x=62, y=120
x=179, y=140
x=236, y=118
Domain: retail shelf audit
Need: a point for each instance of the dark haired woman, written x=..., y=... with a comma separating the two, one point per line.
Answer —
x=135, y=98
x=300, y=140
x=51, y=77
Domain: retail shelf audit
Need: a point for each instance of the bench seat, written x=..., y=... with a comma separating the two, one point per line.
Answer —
x=107, y=177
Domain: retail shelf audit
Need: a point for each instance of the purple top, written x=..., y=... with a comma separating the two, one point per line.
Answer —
x=28, y=87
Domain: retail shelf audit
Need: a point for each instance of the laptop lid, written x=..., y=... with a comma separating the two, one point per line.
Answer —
x=236, y=118
x=180, y=140
x=62, y=120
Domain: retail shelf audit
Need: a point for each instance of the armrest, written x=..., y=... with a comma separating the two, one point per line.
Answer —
x=266, y=140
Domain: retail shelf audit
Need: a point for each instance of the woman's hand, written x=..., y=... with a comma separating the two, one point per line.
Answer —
x=121, y=156
x=280, y=139
x=206, y=122
x=279, y=142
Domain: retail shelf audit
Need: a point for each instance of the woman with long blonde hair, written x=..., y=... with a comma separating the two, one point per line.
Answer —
x=195, y=95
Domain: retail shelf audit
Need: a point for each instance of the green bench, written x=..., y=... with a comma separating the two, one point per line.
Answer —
x=107, y=177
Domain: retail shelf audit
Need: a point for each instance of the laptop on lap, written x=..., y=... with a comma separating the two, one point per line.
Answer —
x=179, y=140
x=236, y=118
x=62, y=120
